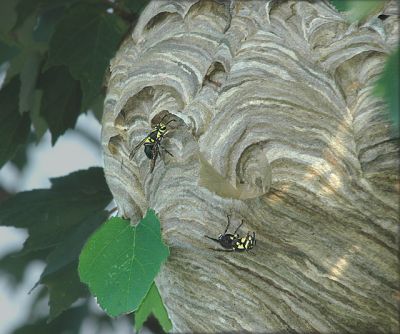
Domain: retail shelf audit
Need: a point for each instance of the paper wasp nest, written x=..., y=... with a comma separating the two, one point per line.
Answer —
x=275, y=124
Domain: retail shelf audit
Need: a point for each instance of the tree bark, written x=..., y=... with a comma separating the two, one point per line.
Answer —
x=276, y=124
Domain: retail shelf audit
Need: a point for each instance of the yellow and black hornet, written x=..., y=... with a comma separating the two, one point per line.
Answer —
x=152, y=143
x=233, y=242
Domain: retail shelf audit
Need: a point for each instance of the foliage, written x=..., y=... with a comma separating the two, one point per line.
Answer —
x=99, y=34
x=61, y=92
x=55, y=54
x=152, y=304
x=120, y=262
x=59, y=228
x=14, y=127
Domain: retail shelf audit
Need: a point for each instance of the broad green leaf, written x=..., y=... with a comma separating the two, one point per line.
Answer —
x=64, y=289
x=14, y=127
x=28, y=77
x=61, y=272
x=120, y=262
x=67, y=252
x=152, y=304
x=388, y=87
x=85, y=40
x=49, y=214
x=61, y=100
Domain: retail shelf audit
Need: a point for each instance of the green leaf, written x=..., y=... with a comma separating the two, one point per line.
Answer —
x=67, y=252
x=388, y=87
x=49, y=214
x=61, y=100
x=152, y=304
x=14, y=127
x=85, y=40
x=38, y=121
x=64, y=289
x=120, y=262
x=28, y=77
x=61, y=273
